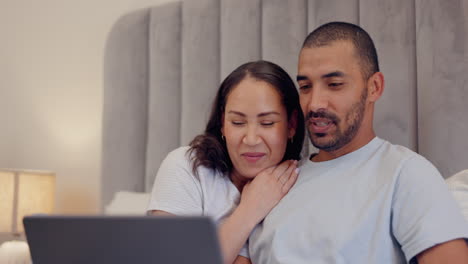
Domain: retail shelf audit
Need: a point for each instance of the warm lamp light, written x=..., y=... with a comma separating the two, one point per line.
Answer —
x=24, y=193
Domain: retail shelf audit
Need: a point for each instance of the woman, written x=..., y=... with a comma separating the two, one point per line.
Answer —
x=243, y=164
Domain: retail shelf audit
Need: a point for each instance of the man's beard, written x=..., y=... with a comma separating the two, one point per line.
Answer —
x=339, y=139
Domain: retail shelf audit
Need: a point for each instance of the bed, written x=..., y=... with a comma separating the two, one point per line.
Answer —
x=163, y=65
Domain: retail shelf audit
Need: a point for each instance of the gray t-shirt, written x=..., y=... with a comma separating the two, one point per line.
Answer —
x=379, y=204
x=177, y=190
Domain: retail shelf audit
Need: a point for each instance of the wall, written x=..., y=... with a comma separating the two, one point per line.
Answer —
x=51, y=91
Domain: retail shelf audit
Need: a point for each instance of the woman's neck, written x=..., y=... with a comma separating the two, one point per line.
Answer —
x=238, y=180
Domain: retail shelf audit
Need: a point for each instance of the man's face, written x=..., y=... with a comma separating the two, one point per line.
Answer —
x=333, y=94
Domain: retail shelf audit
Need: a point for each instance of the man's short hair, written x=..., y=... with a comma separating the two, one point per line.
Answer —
x=362, y=42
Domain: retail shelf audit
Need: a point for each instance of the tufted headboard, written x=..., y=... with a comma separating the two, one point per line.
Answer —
x=163, y=66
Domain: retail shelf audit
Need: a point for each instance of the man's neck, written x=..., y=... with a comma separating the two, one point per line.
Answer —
x=355, y=144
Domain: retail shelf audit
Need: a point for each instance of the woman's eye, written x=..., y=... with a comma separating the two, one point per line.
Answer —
x=267, y=123
x=237, y=123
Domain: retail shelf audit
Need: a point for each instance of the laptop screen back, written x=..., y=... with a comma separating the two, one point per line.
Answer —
x=121, y=239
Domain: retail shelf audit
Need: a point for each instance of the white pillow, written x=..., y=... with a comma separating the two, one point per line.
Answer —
x=458, y=185
x=128, y=203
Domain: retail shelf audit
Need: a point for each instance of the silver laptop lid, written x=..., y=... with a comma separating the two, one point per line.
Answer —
x=122, y=239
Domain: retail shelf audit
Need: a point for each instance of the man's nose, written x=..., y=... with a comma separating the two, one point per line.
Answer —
x=251, y=136
x=318, y=100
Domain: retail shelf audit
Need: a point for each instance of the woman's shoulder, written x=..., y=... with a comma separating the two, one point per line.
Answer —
x=183, y=157
x=179, y=153
x=179, y=157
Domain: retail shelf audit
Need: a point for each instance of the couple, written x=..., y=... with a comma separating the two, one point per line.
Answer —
x=360, y=199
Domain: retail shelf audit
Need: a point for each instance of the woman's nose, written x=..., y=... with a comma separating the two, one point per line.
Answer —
x=251, y=136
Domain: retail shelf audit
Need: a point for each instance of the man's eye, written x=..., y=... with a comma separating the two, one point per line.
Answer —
x=335, y=84
x=305, y=87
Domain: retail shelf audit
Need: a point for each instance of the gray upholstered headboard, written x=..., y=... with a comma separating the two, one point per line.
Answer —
x=163, y=65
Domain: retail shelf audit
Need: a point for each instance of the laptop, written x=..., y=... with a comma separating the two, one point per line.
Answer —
x=122, y=239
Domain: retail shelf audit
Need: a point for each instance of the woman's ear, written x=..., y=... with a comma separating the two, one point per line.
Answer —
x=222, y=125
x=292, y=124
x=376, y=85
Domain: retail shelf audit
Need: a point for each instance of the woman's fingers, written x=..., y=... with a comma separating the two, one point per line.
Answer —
x=290, y=182
x=270, y=170
x=283, y=178
x=281, y=168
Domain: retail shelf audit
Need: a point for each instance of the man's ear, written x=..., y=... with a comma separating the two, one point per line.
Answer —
x=376, y=85
x=292, y=124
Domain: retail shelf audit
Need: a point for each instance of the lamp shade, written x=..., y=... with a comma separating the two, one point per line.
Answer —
x=24, y=192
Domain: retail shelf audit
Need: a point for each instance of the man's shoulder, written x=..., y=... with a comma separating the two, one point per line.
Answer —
x=409, y=160
x=398, y=152
x=395, y=159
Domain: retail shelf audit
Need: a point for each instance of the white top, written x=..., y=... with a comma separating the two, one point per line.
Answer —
x=177, y=190
x=359, y=208
x=458, y=186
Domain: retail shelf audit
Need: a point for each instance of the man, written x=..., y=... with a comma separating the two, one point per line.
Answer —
x=360, y=199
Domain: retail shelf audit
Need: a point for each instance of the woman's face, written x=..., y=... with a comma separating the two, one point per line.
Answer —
x=255, y=127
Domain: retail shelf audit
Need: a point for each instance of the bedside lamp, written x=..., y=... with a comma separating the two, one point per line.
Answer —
x=22, y=192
